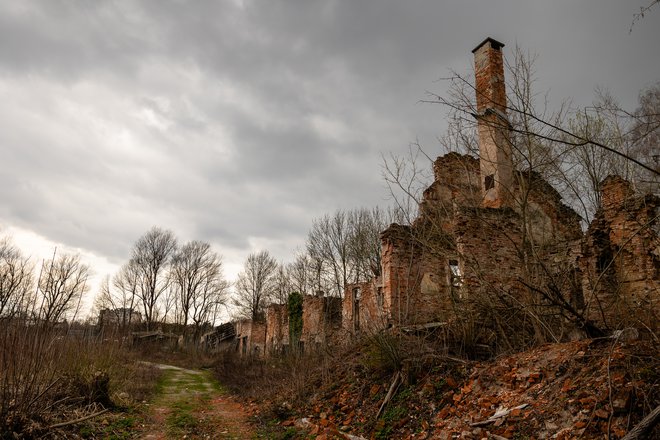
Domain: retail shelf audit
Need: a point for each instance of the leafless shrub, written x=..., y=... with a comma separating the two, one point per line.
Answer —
x=52, y=374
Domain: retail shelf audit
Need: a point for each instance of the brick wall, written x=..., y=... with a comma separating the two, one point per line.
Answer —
x=321, y=320
x=493, y=126
x=488, y=242
x=277, y=328
x=366, y=314
x=549, y=220
x=620, y=259
x=415, y=278
x=251, y=337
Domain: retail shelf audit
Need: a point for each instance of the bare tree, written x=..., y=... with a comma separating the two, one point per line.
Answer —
x=644, y=136
x=125, y=283
x=168, y=304
x=283, y=284
x=301, y=274
x=256, y=285
x=62, y=284
x=206, y=305
x=151, y=256
x=16, y=279
x=527, y=119
x=635, y=134
x=119, y=296
x=365, y=245
x=198, y=282
x=104, y=298
x=346, y=245
x=328, y=242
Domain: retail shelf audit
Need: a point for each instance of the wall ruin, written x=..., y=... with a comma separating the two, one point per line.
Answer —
x=363, y=308
x=620, y=259
x=489, y=234
x=277, y=328
x=251, y=337
x=321, y=321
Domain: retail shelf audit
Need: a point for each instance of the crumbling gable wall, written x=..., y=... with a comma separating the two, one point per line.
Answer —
x=456, y=184
x=548, y=219
x=321, y=320
x=620, y=259
x=485, y=229
x=415, y=273
x=362, y=307
x=456, y=246
x=488, y=242
x=251, y=336
x=277, y=328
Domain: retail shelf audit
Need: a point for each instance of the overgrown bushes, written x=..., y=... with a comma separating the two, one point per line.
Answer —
x=50, y=376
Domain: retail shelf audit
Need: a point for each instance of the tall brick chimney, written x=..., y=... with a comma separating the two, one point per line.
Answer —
x=493, y=125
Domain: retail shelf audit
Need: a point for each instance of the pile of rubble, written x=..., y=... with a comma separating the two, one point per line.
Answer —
x=585, y=389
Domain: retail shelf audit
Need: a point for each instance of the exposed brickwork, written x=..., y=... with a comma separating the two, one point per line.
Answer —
x=489, y=74
x=415, y=273
x=620, y=261
x=549, y=220
x=493, y=126
x=362, y=308
x=251, y=337
x=488, y=241
x=483, y=244
x=277, y=328
x=457, y=180
x=486, y=231
x=321, y=320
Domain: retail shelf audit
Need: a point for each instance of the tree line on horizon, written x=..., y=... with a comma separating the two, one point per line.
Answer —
x=573, y=149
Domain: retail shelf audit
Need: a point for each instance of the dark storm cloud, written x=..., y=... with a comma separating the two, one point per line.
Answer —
x=238, y=122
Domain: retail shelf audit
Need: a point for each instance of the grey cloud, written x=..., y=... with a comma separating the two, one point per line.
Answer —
x=234, y=123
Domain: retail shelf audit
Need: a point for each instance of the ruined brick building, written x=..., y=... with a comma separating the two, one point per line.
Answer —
x=620, y=257
x=321, y=322
x=490, y=236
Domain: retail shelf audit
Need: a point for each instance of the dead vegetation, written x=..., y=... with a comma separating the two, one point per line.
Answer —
x=402, y=387
x=51, y=381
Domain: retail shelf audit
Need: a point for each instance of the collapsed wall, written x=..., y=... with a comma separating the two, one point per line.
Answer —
x=620, y=259
x=251, y=337
x=277, y=328
x=363, y=308
x=321, y=321
x=488, y=234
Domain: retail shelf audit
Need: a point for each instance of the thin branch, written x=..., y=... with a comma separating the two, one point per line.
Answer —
x=82, y=419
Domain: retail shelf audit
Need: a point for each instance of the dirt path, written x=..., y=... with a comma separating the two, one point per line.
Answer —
x=190, y=404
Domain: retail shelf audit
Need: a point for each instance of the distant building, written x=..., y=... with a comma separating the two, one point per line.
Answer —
x=221, y=338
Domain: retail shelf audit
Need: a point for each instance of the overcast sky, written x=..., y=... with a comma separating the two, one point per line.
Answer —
x=238, y=122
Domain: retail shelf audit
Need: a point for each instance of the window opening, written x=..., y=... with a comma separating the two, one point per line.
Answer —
x=455, y=279
x=455, y=273
x=489, y=182
x=356, y=308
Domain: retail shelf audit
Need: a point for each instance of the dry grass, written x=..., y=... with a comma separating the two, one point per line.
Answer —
x=50, y=376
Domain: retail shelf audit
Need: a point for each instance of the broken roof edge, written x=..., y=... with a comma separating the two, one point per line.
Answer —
x=496, y=44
